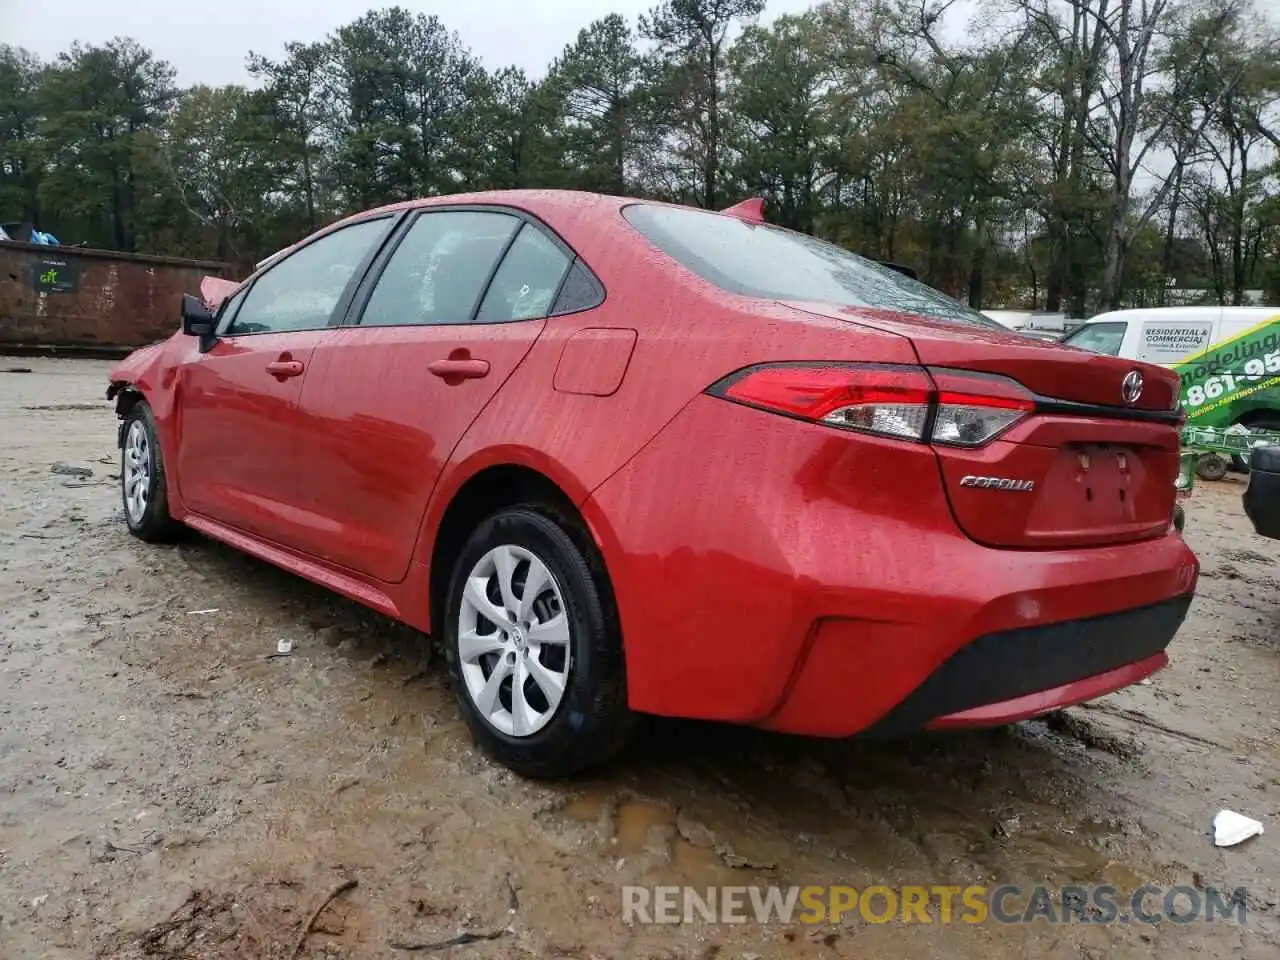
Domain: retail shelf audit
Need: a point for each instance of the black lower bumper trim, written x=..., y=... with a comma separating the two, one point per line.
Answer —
x=1014, y=663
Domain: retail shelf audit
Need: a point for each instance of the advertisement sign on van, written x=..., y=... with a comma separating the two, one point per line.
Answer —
x=1167, y=343
x=1238, y=375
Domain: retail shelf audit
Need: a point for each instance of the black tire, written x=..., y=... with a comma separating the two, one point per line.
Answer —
x=153, y=524
x=592, y=722
x=1210, y=466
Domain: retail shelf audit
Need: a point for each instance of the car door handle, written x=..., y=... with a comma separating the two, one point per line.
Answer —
x=459, y=369
x=285, y=368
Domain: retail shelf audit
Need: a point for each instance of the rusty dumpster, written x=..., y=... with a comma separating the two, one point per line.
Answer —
x=79, y=300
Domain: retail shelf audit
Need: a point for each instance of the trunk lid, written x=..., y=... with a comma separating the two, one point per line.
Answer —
x=1085, y=468
x=1047, y=368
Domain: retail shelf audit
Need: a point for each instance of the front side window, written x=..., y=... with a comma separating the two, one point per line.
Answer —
x=227, y=312
x=526, y=283
x=438, y=272
x=768, y=262
x=301, y=291
x=1099, y=337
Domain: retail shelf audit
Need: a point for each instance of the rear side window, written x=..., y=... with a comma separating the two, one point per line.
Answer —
x=1105, y=337
x=438, y=272
x=526, y=283
x=581, y=290
x=759, y=260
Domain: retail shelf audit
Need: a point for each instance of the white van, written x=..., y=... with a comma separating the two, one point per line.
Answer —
x=1164, y=335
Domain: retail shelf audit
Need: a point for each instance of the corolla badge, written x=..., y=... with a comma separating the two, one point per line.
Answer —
x=998, y=483
x=1131, y=388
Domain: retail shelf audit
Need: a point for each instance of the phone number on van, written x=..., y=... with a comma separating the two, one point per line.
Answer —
x=1224, y=384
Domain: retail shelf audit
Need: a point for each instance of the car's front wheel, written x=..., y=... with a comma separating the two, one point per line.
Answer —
x=142, y=478
x=531, y=635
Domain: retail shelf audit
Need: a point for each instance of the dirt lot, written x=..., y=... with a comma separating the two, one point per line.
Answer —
x=168, y=789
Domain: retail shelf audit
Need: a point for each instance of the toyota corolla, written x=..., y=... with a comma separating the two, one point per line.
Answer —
x=625, y=458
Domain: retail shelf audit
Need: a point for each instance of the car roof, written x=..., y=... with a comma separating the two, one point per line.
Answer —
x=537, y=202
x=532, y=200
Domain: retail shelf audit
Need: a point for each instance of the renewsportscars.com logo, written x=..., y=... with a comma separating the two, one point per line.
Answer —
x=1005, y=904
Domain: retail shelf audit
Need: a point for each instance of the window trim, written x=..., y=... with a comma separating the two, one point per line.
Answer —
x=360, y=297
x=344, y=299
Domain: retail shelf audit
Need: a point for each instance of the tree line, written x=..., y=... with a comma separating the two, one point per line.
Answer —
x=1061, y=154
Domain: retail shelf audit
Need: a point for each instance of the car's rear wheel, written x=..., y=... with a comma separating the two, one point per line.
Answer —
x=143, y=488
x=531, y=635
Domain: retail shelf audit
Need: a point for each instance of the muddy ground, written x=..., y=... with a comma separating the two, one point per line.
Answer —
x=167, y=789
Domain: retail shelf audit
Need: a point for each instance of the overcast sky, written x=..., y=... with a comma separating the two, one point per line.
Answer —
x=208, y=41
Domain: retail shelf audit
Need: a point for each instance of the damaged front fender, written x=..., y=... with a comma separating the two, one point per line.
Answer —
x=150, y=373
x=130, y=380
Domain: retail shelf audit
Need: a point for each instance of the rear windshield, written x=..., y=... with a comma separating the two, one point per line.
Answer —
x=759, y=260
x=1104, y=337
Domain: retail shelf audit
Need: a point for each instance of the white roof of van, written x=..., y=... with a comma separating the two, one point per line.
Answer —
x=1187, y=313
x=1008, y=318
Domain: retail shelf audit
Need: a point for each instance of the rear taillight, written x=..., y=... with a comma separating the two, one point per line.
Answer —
x=951, y=407
x=893, y=401
x=974, y=408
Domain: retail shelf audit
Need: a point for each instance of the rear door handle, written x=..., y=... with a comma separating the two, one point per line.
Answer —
x=457, y=370
x=285, y=368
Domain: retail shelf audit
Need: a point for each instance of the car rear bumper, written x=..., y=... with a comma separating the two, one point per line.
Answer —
x=1262, y=498
x=1039, y=668
x=801, y=579
x=1055, y=698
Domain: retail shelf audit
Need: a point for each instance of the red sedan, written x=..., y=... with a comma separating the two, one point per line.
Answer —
x=624, y=457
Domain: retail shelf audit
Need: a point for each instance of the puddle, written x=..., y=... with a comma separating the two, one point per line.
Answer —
x=633, y=827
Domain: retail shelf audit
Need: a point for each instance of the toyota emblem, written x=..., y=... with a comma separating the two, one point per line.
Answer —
x=1131, y=389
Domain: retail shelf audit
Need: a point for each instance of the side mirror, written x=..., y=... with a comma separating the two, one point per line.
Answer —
x=198, y=321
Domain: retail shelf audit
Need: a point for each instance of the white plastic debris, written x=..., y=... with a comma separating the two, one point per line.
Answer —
x=193, y=613
x=1230, y=828
x=284, y=646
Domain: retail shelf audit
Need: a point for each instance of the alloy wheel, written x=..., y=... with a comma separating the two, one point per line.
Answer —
x=514, y=641
x=136, y=475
